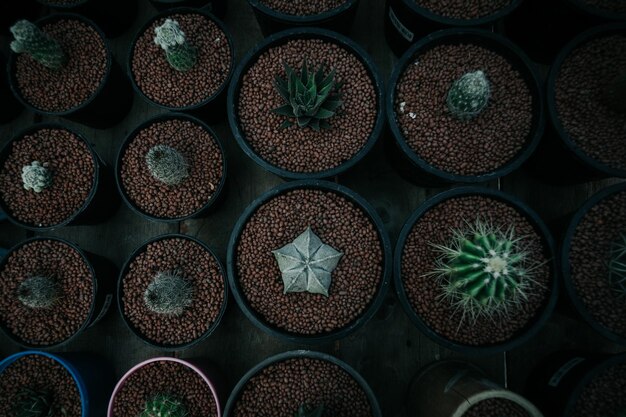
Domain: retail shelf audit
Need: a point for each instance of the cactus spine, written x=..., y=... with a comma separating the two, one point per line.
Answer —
x=169, y=293
x=306, y=411
x=163, y=405
x=36, y=176
x=180, y=55
x=34, y=403
x=40, y=46
x=38, y=292
x=617, y=266
x=469, y=95
x=167, y=165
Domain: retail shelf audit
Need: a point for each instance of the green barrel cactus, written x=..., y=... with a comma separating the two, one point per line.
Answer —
x=38, y=292
x=615, y=94
x=179, y=53
x=35, y=403
x=306, y=411
x=617, y=266
x=167, y=165
x=310, y=97
x=469, y=95
x=36, y=176
x=29, y=39
x=169, y=293
x=484, y=270
x=163, y=405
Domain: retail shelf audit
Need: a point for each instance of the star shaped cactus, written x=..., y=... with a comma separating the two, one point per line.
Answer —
x=306, y=411
x=306, y=264
x=469, y=95
x=617, y=266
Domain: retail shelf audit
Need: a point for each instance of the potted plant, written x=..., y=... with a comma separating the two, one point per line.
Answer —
x=65, y=384
x=51, y=177
x=51, y=291
x=182, y=60
x=275, y=15
x=586, y=134
x=172, y=292
x=278, y=122
x=474, y=269
x=309, y=223
x=451, y=93
x=168, y=387
x=61, y=65
x=407, y=21
x=460, y=389
x=217, y=7
x=302, y=384
x=593, y=260
x=171, y=168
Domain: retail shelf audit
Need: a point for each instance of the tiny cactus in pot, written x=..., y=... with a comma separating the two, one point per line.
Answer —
x=169, y=293
x=29, y=39
x=167, y=165
x=306, y=411
x=36, y=176
x=164, y=405
x=617, y=266
x=179, y=53
x=36, y=403
x=38, y=292
x=615, y=94
x=469, y=95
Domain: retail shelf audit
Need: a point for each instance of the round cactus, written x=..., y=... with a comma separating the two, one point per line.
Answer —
x=469, y=95
x=163, y=405
x=41, y=47
x=34, y=403
x=617, y=266
x=306, y=411
x=38, y=292
x=180, y=55
x=169, y=293
x=36, y=176
x=615, y=94
x=167, y=165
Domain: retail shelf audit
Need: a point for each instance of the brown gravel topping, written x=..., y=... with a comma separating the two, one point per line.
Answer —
x=303, y=149
x=589, y=256
x=302, y=7
x=425, y=294
x=617, y=6
x=279, y=389
x=57, y=260
x=463, y=9
x=77, y=81
x=604, y=395
x=73, y=171
x=196, y=265
x=166, y=86
x=463, y=147
x=39, y=372
x=340, y=224
x=597, y=130
x=496, y=407
x=164, y=377
x=202, y=154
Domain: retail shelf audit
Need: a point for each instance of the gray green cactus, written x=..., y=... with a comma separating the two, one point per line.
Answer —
x=179, y=53
x=169, y=293
x=36, y=176
x=38, y=292
x=310, y=97
x=35, y=403
x=167, y=165
x=617, y=266
x=40, y=46
x=164, y=405
x=615, y=94
x=469, y=95
x=306, y=411
x=485, y=270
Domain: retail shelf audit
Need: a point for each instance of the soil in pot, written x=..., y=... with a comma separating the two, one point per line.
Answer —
x=595, y=239
x=604, y=395
x=75, y=82
x=281, y=388
x=58, y=155
x=584, y=85
x=452, y=139
x=177, y=88
x=462, y=9
x=173, y=291
x=176, y=380
x=454, y=314
x=171, y=168
x=302, y=8
x=303, y=149
x=36, y=379
x=46, y=289
x=338, y=223
x=496, y=407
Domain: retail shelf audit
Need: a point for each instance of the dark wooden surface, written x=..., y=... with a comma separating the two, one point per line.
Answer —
x=388, y=351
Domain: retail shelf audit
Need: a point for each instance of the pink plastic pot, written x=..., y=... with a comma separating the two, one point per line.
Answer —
x=202, y=367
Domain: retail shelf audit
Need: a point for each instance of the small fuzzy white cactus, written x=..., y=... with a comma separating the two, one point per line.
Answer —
x=36, y=176
x=180, y=55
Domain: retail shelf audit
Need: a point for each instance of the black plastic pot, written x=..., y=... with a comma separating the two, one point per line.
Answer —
x=10, y=108
x=107, y=106
x=257, y=319
x=406, y=22
x=558, y=381
x=566, y=267
x=100, y=205
x=217, y=7
x=120, y=294
x=533, y=327
x=229, y=411
x=202, y=211
x=573, y=164
x=103, y=273
x=407, y=161
x=279, y=39
x=339, y=19
x=114, y=16
x=213, y=108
